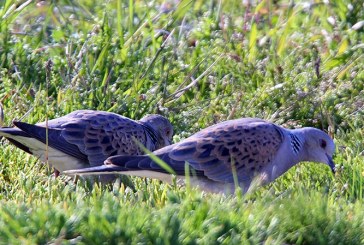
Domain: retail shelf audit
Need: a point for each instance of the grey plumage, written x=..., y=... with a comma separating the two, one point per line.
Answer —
x=85, y=138
x=250, y=148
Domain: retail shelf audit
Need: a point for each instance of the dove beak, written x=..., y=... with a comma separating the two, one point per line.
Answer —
x=331, y=164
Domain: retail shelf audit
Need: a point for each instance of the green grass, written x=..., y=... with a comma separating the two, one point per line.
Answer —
x=198, y=63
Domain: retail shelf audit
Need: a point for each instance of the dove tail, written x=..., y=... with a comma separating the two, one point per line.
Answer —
x=146, y=162
x=12, y=134
x=6, y=132
x=54, y=136
x=99, y=170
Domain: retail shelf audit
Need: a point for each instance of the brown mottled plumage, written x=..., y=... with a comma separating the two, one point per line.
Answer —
x=228, y=154
x=86, y=138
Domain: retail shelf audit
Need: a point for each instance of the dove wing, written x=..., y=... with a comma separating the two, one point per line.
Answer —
x=243, y=146
x=101, y=137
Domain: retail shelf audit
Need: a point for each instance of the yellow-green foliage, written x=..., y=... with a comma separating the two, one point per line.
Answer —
x=296, y=63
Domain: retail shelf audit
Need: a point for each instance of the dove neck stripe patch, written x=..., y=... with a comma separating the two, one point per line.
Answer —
x=151, y=133
x=295, y=143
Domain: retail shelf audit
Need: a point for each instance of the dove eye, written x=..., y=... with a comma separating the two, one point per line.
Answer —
x=323, y=143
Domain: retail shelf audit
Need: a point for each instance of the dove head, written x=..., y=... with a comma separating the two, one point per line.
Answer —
x=161, y=126
x=318, y=146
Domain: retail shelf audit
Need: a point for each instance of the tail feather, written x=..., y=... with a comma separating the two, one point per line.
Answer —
x=99, y=170
x=132, y=163
x=123, y=164
x=8, y=133
x=55, y=139
x=127, y=162
x=20, y=145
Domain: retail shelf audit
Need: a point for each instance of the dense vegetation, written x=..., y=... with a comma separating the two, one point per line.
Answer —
x=197, y=63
